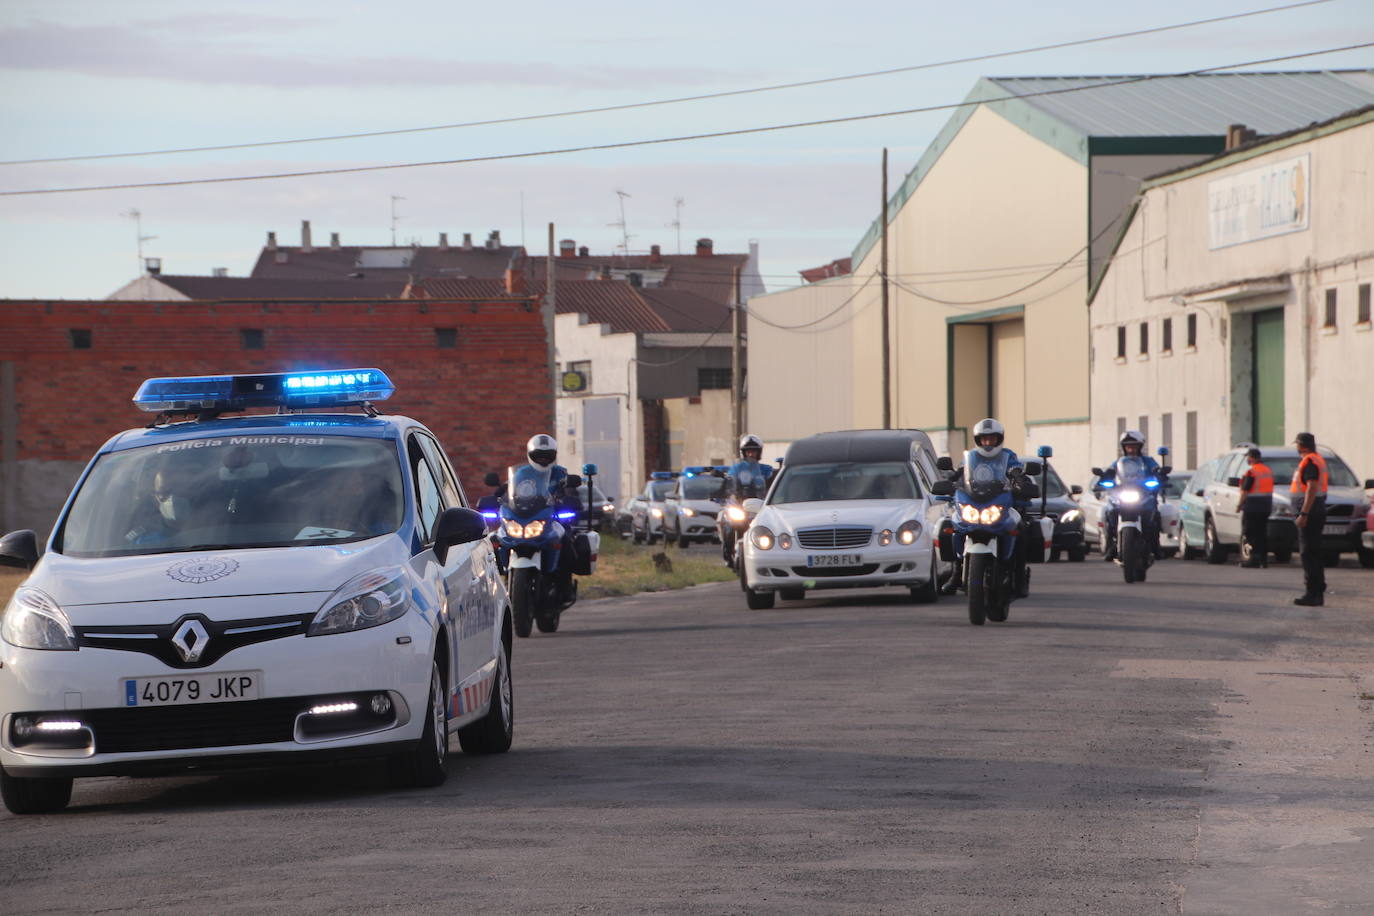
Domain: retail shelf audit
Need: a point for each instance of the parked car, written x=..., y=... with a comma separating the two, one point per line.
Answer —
x=1211, y=524
x=646, y=508
x=691, y=506
x=849, y=509
x=1057, y=504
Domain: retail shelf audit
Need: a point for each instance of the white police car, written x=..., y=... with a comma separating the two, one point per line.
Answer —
x=254, y=590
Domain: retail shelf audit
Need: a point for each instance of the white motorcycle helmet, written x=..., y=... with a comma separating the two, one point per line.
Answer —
x=1132, y=435
x=542, y=450
x=748, y=440
x=989, y=427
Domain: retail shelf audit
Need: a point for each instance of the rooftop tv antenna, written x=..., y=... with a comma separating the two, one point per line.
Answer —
x=677, y=221
x=625, y=235
x=395, y=218
x=134, y=214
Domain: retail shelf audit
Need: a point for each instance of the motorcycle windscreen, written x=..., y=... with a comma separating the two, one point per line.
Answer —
x=986, y=478
x=1129, y=469
x=528, y=489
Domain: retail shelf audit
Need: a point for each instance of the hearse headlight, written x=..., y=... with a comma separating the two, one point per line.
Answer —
x=369, y=600
x=884, y=537
x=34, y=621
x=909, y=533
x=762, y=537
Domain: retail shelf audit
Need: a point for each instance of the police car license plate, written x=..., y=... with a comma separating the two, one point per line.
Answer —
x=816, y=561
x=179, y=690
x=1334, y=528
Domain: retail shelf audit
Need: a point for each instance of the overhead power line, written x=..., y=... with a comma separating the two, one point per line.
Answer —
x=626, y=144
x=678, y=100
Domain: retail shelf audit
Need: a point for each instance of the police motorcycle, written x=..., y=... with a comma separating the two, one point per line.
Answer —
x=993, y=559
x=1133, y=489
x=537, y=547
x=748, y=481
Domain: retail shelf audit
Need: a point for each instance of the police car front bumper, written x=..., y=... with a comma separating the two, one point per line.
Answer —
x=300, y=710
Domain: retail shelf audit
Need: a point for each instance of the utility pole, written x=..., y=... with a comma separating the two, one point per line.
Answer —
x=736, y=382
x=887, y=381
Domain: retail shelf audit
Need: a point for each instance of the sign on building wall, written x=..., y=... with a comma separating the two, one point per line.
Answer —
x=1256, y=204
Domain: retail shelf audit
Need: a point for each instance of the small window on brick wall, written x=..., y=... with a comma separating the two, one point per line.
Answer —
x=252, y=338
x=1363, y=315
x=1330, y=321
x=446, y=338
x=1121, y=342
x=81, y=338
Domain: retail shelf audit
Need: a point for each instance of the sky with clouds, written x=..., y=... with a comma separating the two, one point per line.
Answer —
x=88, y=77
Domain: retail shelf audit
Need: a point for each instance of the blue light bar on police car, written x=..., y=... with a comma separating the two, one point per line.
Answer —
x=331, y=388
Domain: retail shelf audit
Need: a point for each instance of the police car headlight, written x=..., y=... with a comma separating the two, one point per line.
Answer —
x=688, y=511
x=1072, y=515
x=991, y=515
x=736, y=514
x=762, y=537
x=369, y=600
x=34, y=621
x=1129, y=497
x=909, y=533
x=969, y=514
x=656, y=512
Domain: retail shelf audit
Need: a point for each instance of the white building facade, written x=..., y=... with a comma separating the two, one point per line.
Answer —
x=1236, y=307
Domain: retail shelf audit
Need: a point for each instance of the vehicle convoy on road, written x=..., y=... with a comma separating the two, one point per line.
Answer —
x=1211, y=526
x=849, y=509
x=746, y=482
x=254, y=590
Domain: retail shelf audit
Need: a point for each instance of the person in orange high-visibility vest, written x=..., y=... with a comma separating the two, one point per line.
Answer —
x=1256, y=502
x=1309, y=482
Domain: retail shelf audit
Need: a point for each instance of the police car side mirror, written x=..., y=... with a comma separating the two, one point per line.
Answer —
x=942, y=487
x=492, y=479
x=574, y=481
x=457, y=526
x=1033, y=468
x=1233, y=481
x=944, y=463
x=19, y=549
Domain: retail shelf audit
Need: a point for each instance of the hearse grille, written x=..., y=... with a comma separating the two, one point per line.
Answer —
x=834, y=538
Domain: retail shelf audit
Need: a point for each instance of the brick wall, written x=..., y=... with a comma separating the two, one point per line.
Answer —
x=483, y=397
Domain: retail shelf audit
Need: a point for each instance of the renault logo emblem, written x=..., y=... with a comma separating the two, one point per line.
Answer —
x=190, y=640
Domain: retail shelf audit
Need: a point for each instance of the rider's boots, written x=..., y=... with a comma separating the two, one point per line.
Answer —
x=956, y=579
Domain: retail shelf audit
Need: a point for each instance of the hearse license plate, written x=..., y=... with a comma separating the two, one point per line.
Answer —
x=819, y=560
x=178, y=690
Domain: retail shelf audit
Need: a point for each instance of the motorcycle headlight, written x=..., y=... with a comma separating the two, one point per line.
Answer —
x=991, y=515
x=969, y=514
x=1072, y=515
x=736, y=514
x=514, y=528
x=369, y=600
x=656, y=512
x=609, y=507
x=688, y=511
x=534, y=529
x=34, y=621
x=762, y=537
x=1129, y=497
x=909, y=533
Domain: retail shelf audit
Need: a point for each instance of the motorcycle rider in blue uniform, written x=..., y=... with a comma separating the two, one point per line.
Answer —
x=1132, y=446
x=748, y=478
x=988, y=460
x=542, y=451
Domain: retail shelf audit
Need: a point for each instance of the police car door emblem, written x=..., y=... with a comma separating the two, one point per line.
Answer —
x=202, y=569
x=190, y=640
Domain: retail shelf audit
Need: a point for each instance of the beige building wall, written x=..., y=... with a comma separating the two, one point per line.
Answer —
x=703, y=427
x=611, y=355
x=1166, y=269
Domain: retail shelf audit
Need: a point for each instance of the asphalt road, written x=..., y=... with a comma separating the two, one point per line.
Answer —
x=1194, y=744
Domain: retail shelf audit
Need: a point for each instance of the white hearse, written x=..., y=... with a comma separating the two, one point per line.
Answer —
x=850, y=509
x=254, y=590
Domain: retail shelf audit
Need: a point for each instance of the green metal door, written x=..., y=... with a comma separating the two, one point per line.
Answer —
x=1267, y=382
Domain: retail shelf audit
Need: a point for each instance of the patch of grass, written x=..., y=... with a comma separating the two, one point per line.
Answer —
x=624, y=568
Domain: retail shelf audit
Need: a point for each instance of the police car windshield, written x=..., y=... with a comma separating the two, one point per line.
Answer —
x=1337, y=474
x=702, y=487
x=820, y=482
x=235, y=492
x=661, y=488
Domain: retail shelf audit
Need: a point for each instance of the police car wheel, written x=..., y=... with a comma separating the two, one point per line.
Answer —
x=35, y=796
x=424, y=766
x=492, y=733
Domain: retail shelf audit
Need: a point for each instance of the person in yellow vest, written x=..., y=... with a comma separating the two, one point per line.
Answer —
x=1256, y=502
x=1309, y=482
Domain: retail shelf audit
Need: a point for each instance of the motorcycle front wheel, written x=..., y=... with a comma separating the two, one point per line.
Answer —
x=524, y=599
x=1129, y=547
x=981, y=588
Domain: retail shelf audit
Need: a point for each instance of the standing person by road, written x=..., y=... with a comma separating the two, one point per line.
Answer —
x=1309, y=479
x=1256, y=501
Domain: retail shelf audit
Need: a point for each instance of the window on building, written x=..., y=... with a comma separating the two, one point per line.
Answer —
x=1330, y=321
x=1166, y=335
x=1144, y=337
x=583, y=367
x=1192, y=330
x=713, y=378
x=1120, y=427
x=1363, y=315
x=252, y=338
x=1190, y=429
x=1166, y=431
x=81, y=338
x=446, y=338
x=1144, y=427
x=1121, y=342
